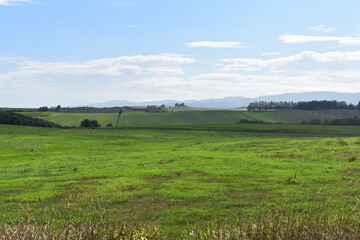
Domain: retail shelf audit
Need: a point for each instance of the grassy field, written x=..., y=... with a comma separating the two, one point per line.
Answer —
x=138, y=118
x=161, y=118
x=178, y=176
x=296, y=116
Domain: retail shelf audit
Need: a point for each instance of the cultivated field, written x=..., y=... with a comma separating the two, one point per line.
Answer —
x=193, y=116
x=180, y=178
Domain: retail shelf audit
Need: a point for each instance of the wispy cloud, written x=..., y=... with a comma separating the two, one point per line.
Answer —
x=124, y=3
x=131, y=77
x=305, y=61
x=354, y=41
x=323, y=28
x=132, y=26
x=165, y=64
x=210, y=44
x=156, y=77
x=13, y=2
x=270, y=54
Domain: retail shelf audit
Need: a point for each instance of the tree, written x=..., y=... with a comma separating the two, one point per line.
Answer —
x=58, y=108
x=43, y=109
x=90, y=123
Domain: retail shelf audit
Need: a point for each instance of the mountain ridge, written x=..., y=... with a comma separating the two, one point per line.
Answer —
x=238, y=101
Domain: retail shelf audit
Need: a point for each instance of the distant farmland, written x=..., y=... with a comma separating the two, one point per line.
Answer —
x=140, y=118
x=160, y=118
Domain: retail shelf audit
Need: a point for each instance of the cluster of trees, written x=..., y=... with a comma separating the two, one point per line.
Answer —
x=323, y=105
x=179, y=105
x=154, y=108
x=266, y=106
x=46, y=109
x=256, y=121
x=338, y=122
x=305, y=105
x=19, y=119
x=90, y=123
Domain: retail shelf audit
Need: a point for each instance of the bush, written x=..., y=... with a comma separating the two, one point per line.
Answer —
x=90, y=123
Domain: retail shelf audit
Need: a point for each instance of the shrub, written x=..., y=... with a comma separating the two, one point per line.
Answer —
x=90, y=123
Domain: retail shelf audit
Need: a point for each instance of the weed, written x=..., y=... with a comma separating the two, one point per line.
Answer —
x=291, y=179
x=351, y=159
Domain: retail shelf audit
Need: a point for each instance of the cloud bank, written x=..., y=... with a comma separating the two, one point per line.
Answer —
x=170, y=76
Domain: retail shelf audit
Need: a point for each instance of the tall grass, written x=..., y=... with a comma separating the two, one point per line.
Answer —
x=291, y=226
x=283, y=226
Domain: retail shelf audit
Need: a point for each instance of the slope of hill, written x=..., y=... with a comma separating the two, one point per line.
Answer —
x=297, y=116
x=161, y=118
x=11, y=118
x=137, y=118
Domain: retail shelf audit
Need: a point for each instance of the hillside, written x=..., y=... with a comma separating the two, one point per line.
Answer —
x=183, y=117
x=11, y=118
x=297, y=116
x=161, y=118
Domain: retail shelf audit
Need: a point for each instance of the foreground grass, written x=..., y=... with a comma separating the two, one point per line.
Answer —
x=181, y=176
x=274, y=225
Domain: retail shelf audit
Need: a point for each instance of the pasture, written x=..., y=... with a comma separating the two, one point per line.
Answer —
x=178, y=176
x=188, y=117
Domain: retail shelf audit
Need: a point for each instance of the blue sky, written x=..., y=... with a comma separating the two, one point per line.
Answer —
x=85, y=51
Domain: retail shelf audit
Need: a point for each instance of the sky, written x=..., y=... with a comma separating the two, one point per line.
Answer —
x=88, y=51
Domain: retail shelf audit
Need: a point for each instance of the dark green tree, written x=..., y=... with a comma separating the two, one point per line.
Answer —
x=90, y=123
x=58, y=108
x=43, y=109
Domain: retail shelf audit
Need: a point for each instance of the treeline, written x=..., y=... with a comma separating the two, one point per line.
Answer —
x=46, y=109
x=304, y=105
x=154, y=108
x=19, y=119
x=337, y=122
x=256, y=122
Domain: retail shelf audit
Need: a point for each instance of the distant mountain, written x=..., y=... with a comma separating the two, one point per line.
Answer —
x=235, y=102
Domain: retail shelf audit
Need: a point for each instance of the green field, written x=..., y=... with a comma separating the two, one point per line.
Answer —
x=181, y=175
x=161, y=118
x=296, y=116
x=139, y=118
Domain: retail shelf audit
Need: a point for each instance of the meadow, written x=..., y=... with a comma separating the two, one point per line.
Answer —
x=178, y=177
x=187, y=116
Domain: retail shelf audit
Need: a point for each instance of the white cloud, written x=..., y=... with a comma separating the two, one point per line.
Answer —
x=210, y=44
x=166, y=64
x=305, y=61
x=323, y=28
x=13, y=2
x=354, y=41
x=250, y=85
x=158, y=77
x=69, y=83
x=270, y=54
